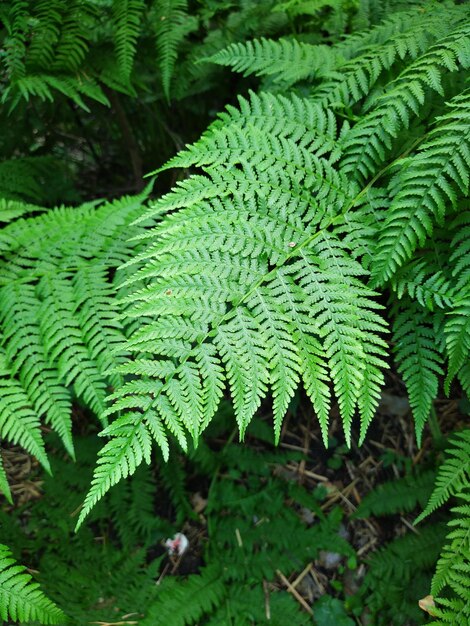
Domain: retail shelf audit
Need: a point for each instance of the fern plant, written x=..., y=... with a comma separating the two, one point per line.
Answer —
x=262, y=273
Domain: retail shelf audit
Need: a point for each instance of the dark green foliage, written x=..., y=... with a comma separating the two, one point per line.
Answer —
x=109, y=568
x=398, y=496
x=399, y=575
x=450, y=584
x=70, y=68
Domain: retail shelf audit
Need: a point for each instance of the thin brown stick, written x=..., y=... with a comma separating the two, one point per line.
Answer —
x=294, y=592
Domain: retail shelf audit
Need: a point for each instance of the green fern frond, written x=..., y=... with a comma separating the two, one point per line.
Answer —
x=48, y=17
x=73, y=43
x=10, y=210
x=460, y=246
x=171, y=24
x=4, y=486
x=16, y=23
x=428, y=187
x=402, y=38
x=287, y=60
x=369, y=141
x=43, y=86
x=127, y=15
x=133, y=508
x=455, y=556
x=400, y=559
x=20, y=597
x=20, y=313
x=454, y=611
x=399, y=573
x=58, y=315
x=260, y=288
x=457, y=332
x=24, y=180
x=182, y=602
x=131, y=444
x=18, y=421
x=418, y=360
x=62, y=336
x=96, y=312
x=424, y=282
x=454, y=474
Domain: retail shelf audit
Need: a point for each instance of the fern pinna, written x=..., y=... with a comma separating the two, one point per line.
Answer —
x=265, y=269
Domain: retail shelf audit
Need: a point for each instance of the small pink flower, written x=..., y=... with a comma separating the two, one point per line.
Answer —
x=178, y=545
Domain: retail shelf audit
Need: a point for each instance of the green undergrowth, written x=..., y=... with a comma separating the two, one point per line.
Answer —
x=110, y=568
x=249, y=522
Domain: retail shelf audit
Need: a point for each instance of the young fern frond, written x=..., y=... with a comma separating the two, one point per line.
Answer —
x=21, y=598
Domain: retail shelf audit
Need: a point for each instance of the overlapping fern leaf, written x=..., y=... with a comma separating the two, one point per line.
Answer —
x=287, y=61
x=58, y=311
x=428, y=187
x=20, y=597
